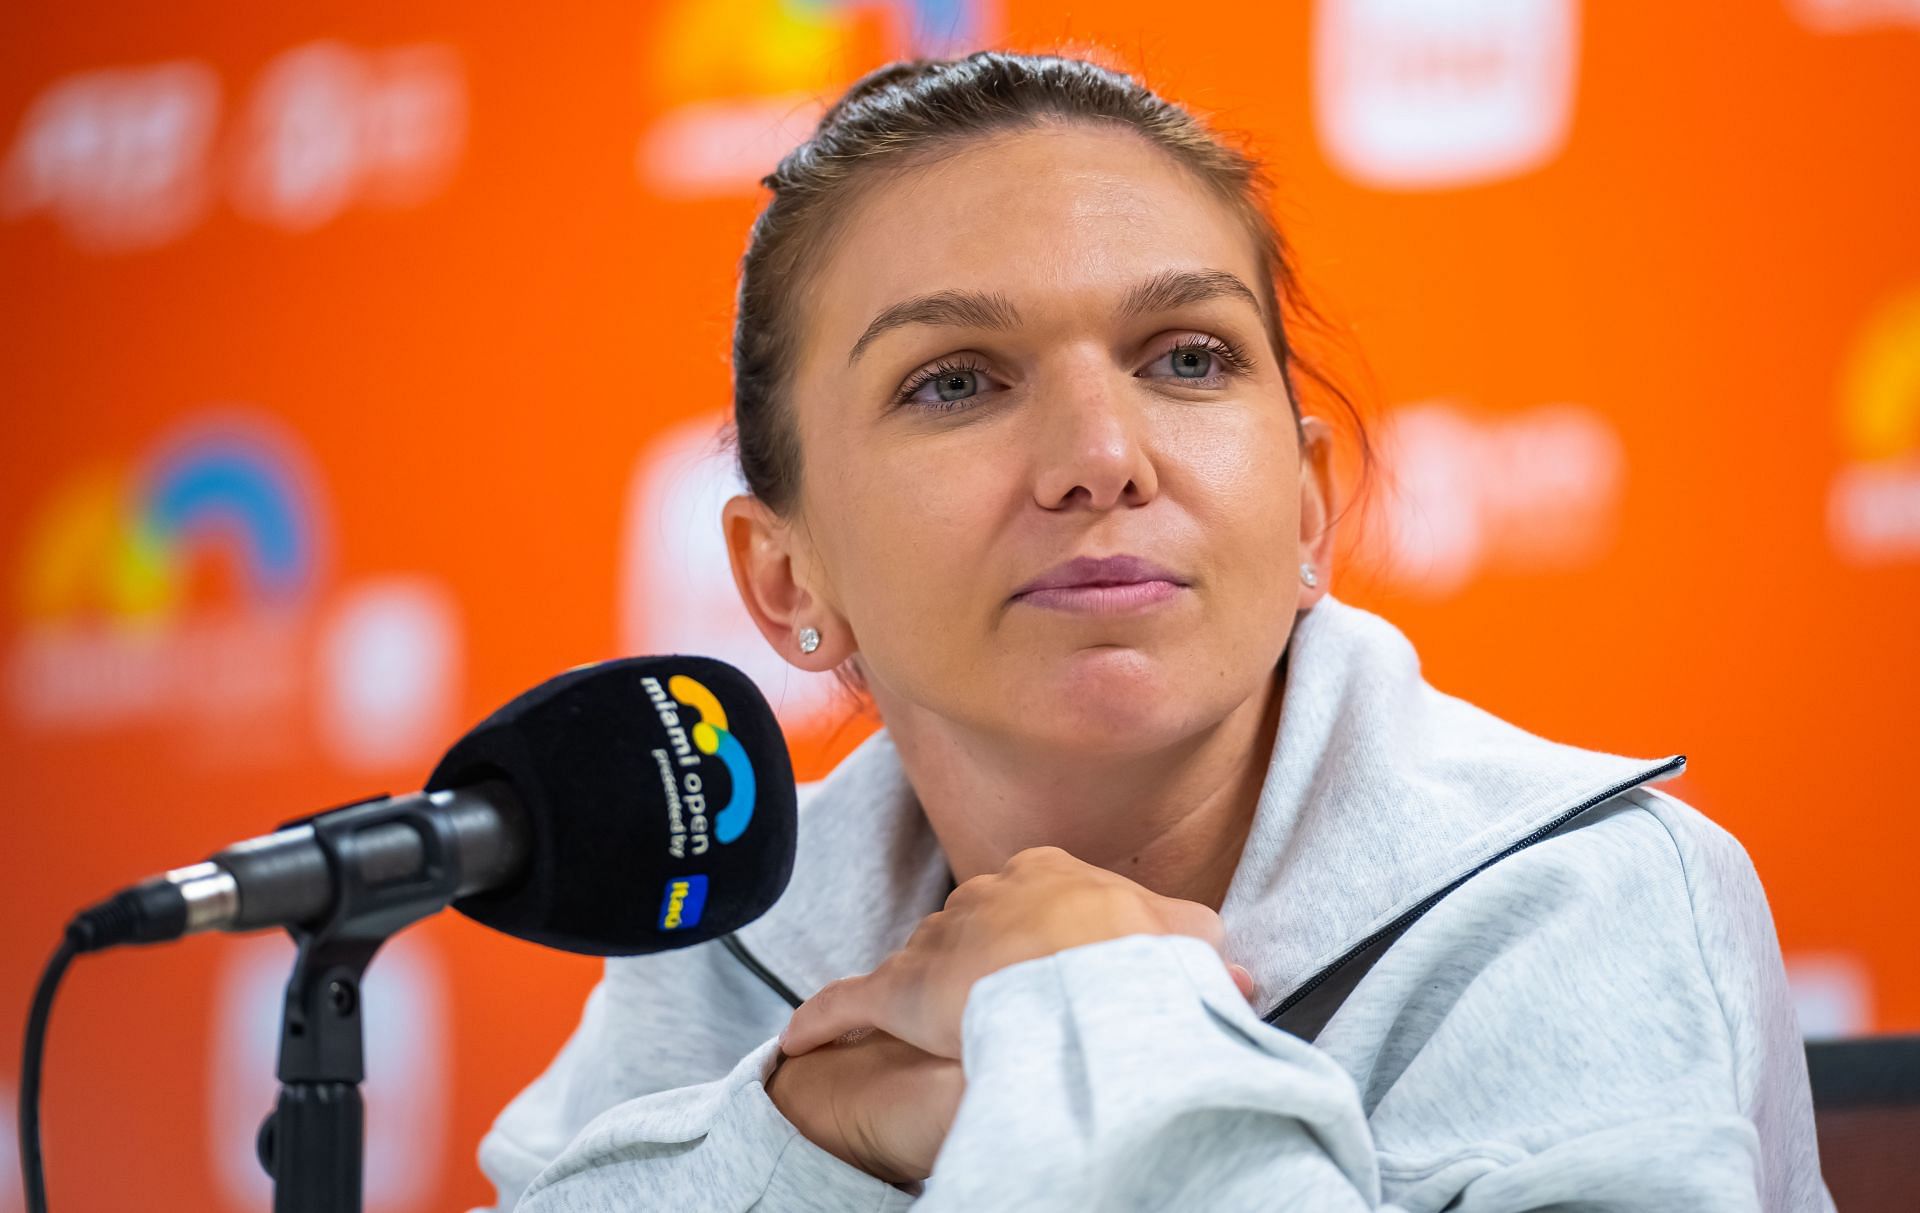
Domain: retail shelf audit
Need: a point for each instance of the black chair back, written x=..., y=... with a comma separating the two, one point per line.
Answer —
x=1866, y=1109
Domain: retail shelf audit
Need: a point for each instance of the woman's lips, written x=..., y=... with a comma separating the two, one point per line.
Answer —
x=1102, y=599
x=1103, y=585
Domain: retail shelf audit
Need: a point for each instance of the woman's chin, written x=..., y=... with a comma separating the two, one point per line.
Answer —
x=1108, y=700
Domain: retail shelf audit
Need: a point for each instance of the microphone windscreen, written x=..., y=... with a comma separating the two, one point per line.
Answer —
x=659, y=801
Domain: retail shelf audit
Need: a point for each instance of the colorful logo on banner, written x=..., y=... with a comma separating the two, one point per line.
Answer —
x=1435, y=94
x=183, y=592
x=132, y=548
x=739, y=83
x=177, y=587
x=133, y=158
x=1530, y=492
x=1873, y=507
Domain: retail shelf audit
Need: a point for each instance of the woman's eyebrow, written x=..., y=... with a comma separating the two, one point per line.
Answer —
x=962, y=309
x=1182, y=288
x=990, y=310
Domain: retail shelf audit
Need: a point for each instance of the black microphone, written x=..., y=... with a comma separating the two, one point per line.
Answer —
x=621, y=808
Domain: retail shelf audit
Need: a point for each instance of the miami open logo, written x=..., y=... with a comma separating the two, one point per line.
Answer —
x=710, y=736
x=696, y=730
x=181, y=592
x=175, y=584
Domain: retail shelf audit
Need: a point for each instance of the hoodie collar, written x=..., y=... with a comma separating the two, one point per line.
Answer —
x=1380, y=791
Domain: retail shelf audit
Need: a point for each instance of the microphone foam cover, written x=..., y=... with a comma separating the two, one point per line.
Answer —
x=659, y=802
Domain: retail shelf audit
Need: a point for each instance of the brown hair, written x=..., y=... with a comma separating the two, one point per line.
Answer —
x=894, y=118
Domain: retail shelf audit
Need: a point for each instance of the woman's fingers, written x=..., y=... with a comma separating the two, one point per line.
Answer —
x=838, y=1008
x=1192, y=918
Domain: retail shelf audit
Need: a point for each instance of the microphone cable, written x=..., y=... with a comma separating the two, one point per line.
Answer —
x=114, y=921
x=32, y=1176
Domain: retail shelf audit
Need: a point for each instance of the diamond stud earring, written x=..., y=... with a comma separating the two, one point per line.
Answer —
x=809, y=640
x=1308, y=577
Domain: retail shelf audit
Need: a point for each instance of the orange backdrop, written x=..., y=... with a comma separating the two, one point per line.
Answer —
x=362, y=363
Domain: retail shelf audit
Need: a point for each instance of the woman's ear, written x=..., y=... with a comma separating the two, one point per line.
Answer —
x=1316, y=509
x=769, y=564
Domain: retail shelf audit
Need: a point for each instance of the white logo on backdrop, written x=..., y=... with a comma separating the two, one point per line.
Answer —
x=130, y=158
x=404, y=1012
x=713, y=147
x=330, y=125
x=1429, y=94
x=1873, y=512
x=1535, y=491
x=119, y=155
x=389, y=660
x=1851, y=16
x=676, y=589
x=1832, y=994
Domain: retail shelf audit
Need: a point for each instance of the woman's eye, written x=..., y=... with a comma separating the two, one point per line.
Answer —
x=947, y=385
x=956, y=385
x=1192, y=364
x=1197, y=361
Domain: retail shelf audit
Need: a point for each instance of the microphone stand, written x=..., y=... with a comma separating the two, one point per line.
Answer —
x=311, y=1144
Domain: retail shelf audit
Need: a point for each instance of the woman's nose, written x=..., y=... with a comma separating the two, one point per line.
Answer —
x=1091, y=448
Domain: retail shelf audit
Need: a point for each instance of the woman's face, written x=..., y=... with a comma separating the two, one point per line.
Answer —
x=1045, y=349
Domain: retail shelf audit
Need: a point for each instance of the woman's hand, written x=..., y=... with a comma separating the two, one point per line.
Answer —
x=1044, y=901
x=873, y=1101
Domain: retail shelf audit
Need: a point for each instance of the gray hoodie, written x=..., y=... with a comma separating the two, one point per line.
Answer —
x=1494, y=974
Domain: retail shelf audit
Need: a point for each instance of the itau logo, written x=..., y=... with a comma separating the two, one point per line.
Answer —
x=1873, y=506
x=1537, y=491
x=1433, y=94
x=738, y=85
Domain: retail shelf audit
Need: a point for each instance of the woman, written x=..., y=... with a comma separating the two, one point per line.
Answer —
x=1246, y=916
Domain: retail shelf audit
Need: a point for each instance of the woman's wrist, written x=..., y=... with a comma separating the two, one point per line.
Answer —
x=861, y=1100
x=803, y=1094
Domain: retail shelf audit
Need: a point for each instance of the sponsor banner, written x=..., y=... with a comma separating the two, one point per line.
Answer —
x=366, y=367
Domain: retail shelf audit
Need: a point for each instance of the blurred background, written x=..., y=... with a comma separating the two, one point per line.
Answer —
x=363, y=365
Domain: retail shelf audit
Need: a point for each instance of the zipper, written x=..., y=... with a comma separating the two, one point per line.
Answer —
x=1677, y=762
x=1412, y=915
